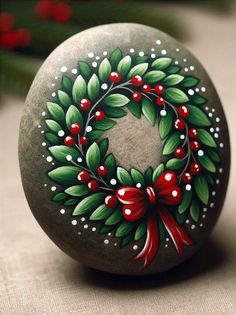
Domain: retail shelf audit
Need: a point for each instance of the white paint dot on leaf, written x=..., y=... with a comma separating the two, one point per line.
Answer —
x=135, y=247
x=141, y=53
x=49, y=159
x=63, y=69
x=188, y=187
x=200, y=153
x=85, y=226
x=191, y=92
x=94, y=64
x=138, y=185
x=89, y=128
x=193, y=226
x=163, y=112
x=74, y=71
x=74, y=222
x=163, y=52
x=61, y=133
x=158, y=42
x=127, y=211
x=113, y=181
x=106, y=241
x=53, y=188
x=69, y=157
x=104, y=86
x=62, y=211
x=94, y=229
x=79, y=159
x=90, y=54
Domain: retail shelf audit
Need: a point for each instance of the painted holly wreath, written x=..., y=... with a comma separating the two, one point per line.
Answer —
x=129, y=204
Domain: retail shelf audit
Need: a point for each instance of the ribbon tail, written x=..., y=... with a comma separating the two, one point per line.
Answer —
x=151, y=244
x=177, y=234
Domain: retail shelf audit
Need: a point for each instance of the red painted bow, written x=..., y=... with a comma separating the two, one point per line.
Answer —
x=136, y=203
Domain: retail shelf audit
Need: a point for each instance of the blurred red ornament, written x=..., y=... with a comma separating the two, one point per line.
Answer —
x=44, y=9
x=9, y=40
x=61, y=12
x=6, y=22
x=23, y=37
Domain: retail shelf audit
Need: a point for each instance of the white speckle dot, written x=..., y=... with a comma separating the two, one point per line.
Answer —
x=166, y=245
x=191, y=92
x=200, y=153
x=203, y=89
x=53, y=94
x=69, y=157
x=187, y=221
x=97, y=58
x=201, y=225
x=63, y=69
x=210, y=114
x=109, y=234
x=79, y=159
x=203, y=216
x=212, y=204
x=56, y=77
x=45, y=185
x=115, y=244
x=44, y=144
x=163, y=112
x=131, y=50
x=220, y=170
x=217, y=119
x=74, y=222
x=53, y=188
x=82, y=219
x=153, y=49
x=193, y=227
x=113, y=181
x=174, y=193
x=177, y=49
x=221, y=145
x=43, y=155
x=158, y=42
x=186, y=69
x=43, y=113
x=182, y=137
x=163, y=52
x=74, y=71
x=216, y=135
x=49, y=159
x=79, y=233
x=105, y=53
x=191, y=68
x=62, y=211
x=94, y=229
x=127, y=211
x=188, y=187
x=85, y=226
x=94, y=64
x=217, y=129
x=138, y=185
x=168, y=177
x=89, y=128
x=53, y=84
x=153, y=56
x=167, y=239
x=184, y=60
x=213, y=193
x=206, y=108
x=39, y=126
x=42, y=131
x=197, y=89
x=90, y=54
x=213, y=110
x=211, y=129
x=53, y=163
x=217, y=181
x=141, y=53
x=135, y=247
x=176, y=62
x=106, y=242
x=104, y=86
x=61, y=133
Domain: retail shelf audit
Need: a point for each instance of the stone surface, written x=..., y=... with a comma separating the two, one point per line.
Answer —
x=76, y=234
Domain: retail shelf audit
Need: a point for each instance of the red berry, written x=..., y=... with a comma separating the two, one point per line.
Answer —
x=111, y=201
x=115, y=77
x=93, y=185
x=137, y=80
x=43, y=9
x=9, y=40
x=160, y=101
x=179, y=124
x=83, y=140
x=6, y=22
x=195, y=168
x=99, y=115
x=24, y=37
x=85, y=104
x=61, y=12
x=146, y=88
x=137, y=96
x=183, y=111
x=69, y=141
x=187, y=177
x=159, y=88
x=75, y=128
x=194, y=145
x=193, y=133
x=102, y=171
x=179, y=153
x=83, y=177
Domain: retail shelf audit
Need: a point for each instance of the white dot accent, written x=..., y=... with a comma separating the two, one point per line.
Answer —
x=158, y=42
x=63, y=69
x=79, y=233
x=42, y=131
x=74, y=71
x=210, y=114
x=177, y=49
x=82, y=219
x=69, y=157
x=97, y=58
x=74, y=222
x=203, y=89
x=61, y=133
x=166, y=245
x=206, y=108
x=53, y=84
x=113, y=181
x=193, y=227
x=62, y=211
x=43, y=113
x=216, y=135
x=44, y=144
x=56, y=77
x=201, y=225
x=182, y=137
x=167, y=239
x=106, y=242
x=200, y=153
x=153, y=56
x=197, y=89
x=49, y=159
x=135, y=247
x=53, y=94
x=138, y=185
x=176, y=62
x=217, y=119
x=127, y=211
x=203, y=216
x=187, y=221
x=94, y=229
x=174, y=193
x=221, y=145
x=191, y=92
x=79, y=159
x=141, y=53
x=188, y=187
x=39, y=126
x=104, y=86
x=45, y=185
x=217, y=129
x=220, y=170
x=53, y=163
x=212, y=204
x=89, y=128
x=163, y=52
x=115, y=244
x=53, y=188
x=94, y=64
x=213, y=110
x=163, y=112
x=90, y=54
x=213, y=193
x=217, y=181
x=186, y=69
x=168, y=177
x=85, y=226
x=191, y=68
x=105, y=53
x=211, y=129
x=184, y=60
x=109, y=234
x=131, y=50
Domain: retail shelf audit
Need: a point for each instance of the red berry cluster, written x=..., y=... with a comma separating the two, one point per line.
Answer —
x=11, y=39
x=55, y=10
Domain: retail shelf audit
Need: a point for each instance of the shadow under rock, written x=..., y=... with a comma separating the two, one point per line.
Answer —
x=208, y=258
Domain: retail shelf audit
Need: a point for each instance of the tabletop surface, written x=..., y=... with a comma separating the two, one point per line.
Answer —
x=37, y=278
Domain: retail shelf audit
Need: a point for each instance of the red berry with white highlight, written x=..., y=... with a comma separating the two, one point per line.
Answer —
x=195, y=168
x=75, y=128
x=159, y=89
x=160, y=101
x=85, y=104
x=137, y=80
x=115, y=77
x=187, y=177
x=93, y=185
x=179, y=124
x=69, y=141
x=193, y=133
x=83, y=177
x=102, y=171
x=183, y=111
x=137, y=96
x=146, y=88
x=83, y=140
x=111, y=201
x=99, y=115
x=179, y=153
x=194, y=145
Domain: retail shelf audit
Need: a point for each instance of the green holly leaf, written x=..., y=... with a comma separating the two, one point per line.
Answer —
x=140, y=231
x=201, y=188
x=93, y=87
x=207, y=163
x=138, y=70
x=85, y=70
x=213, y=155
x=89, y=204
x=141, y=59
x=210, y=179
x=157, y=172
x=79, y=89
x=61, y=152
x=53, y=125
x=101, y=213
x=173, y=79
x=175, y=95
x=180, y=217
x=125, y=240
x=65, y=174
x=77, y=190
x=206, y=138
x=154, y=76
x=116, y=56
x=148, y=175
x=195, y=211
x=59, y=197
x=135, y=109
x=66, y=84
x=105, y=229
x=94, y=135
x=186, y=200
x=115, y=112
x=149, y=111
x=197, y=117
x=73, y=115
x=110, y=164
x=104, y=124
x=52, y=138
x=175, y=164
x=124, y=229
x=71, y=202
x=116, y=100
x=115, y=217
x=124, y=177
x=173, y=70
x=103, y=147
x=137, y=176
x=190, y=82
x=198, y=100
x=104, y=70
x=64, y=98
x=166, y=124
x=161, y=63
x=124, y=66
x=93, y=157
x=56, y=111
x=171, y=143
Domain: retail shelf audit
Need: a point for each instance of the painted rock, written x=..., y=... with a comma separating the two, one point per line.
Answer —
x=124, y=150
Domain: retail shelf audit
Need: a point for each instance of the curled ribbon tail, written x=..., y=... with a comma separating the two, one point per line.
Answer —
x=177, y=234
x=152, y=242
